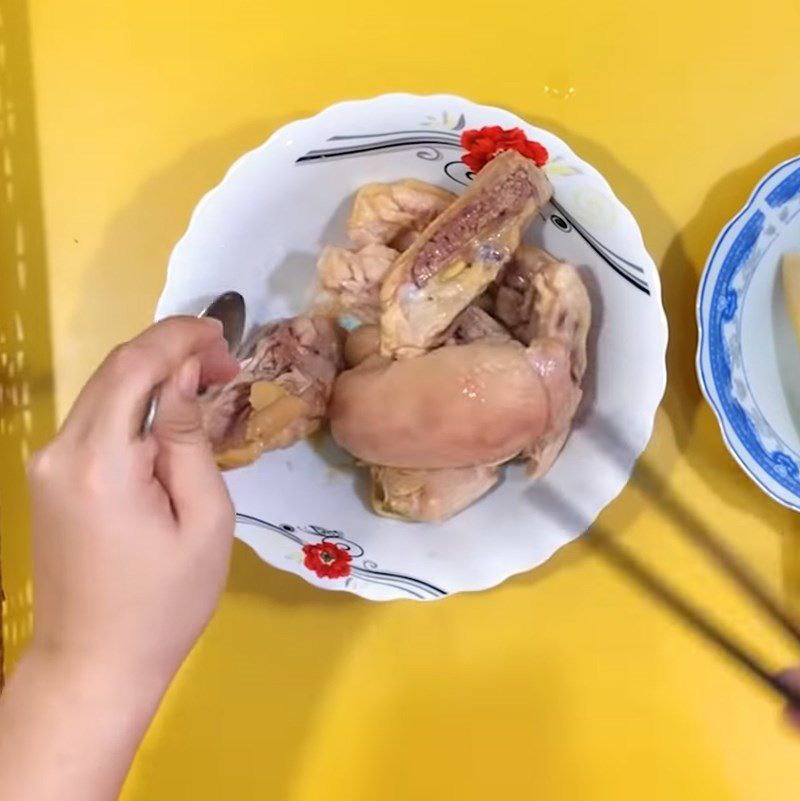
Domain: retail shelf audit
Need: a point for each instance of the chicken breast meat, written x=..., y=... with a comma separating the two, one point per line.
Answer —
x=459, y=254
x=428, y=495
x=281, y=393
x=479, y=403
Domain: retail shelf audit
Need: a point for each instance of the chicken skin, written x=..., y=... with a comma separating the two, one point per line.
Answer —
x=475, y=404
x=429, y=495
x=394, y=214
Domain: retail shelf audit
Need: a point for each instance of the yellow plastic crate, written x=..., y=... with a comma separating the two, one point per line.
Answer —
x=26, y=385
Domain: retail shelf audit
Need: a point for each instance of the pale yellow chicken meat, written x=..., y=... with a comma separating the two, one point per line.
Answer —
x=447, y=380
x=540, y=297
x=384, y=221
x=429, y=495
x=539, y=302
x=281, y=393
x=349, y=281
x=394, y=213
x=457, y=406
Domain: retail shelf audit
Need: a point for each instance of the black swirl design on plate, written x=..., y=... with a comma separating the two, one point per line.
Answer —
x=459, y=172
x=429, y=146
x=561, y=223
x=429, y=154
x=365, y=569
x=631, y=272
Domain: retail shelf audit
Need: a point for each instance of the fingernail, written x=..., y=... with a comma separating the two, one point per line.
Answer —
x=189, y=378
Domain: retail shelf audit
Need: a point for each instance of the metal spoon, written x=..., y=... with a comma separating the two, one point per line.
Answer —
x=229, y=309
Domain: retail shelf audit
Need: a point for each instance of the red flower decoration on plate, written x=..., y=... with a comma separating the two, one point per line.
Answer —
x=483, y=144
x=327, y=559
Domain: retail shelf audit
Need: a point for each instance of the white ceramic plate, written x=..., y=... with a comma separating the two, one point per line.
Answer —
x=259, y=232
x=748, y=356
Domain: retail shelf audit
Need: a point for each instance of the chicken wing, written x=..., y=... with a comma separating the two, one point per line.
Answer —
x=394, y=214
x=459, y=254
x=281, y=393
x=540, y=297
x=349, y=280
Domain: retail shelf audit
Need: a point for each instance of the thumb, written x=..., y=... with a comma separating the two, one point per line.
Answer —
x=184, y=463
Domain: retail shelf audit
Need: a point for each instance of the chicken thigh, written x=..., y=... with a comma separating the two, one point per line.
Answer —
x=475, y=404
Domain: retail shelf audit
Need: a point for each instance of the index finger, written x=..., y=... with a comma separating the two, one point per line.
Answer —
x=115, y=397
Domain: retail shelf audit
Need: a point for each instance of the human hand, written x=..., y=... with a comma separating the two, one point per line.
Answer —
x=132, y=536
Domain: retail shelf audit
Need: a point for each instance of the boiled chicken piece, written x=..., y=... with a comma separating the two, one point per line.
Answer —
x=458, y=406
x=429, y=495
x=281, y=393
x=565, y=396
x=393, y=214
x=349, y=280
x=361, y=343
x=539, y=296
x=472, y=324
x=459, y=254
x=421, y=495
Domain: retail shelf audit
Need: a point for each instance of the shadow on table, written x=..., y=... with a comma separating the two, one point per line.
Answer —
x=680, y=256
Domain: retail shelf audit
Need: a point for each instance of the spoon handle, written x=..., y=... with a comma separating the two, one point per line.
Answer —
x=229, y=309
x=150, y=415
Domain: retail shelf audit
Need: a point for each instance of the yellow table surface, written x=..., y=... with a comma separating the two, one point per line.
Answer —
x=562, y=684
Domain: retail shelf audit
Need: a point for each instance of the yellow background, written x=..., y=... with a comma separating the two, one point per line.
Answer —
x=562, y=684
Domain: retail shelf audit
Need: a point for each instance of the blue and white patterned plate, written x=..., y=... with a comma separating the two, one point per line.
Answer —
x=260, y=231
x=748, y=359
